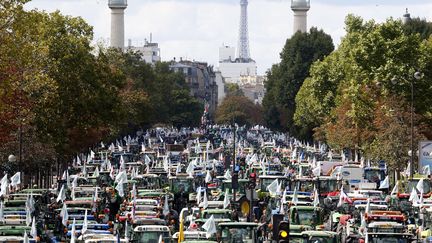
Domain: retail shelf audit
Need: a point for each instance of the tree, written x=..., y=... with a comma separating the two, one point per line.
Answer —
x=239, y=109
x=419, y=26
x=233, y=90
x=286, y=78
x=348, y=94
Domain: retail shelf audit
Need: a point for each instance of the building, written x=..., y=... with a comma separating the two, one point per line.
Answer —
x=232, y=70
x=201, y=79
x=150, y=51
x=220, y=82
x=254, y=92
x=251, y=80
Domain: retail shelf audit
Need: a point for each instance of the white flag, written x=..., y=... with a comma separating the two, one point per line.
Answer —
x=68, y=184
x=208, y=177
x=294, y=199
x=368, y=209
x=28, y=217
x=198, y=196
x=64, y=214
x=190, y=169
x=316, y=198
x=147, y=160
x=395, y=190
x=78, y=162
x=407, y=171
x=75, y=182
x=426, y=170
x=385, y=184
x=26, y=238
x=73, y=232
x=273, y=187
x=227, y=175
x=317, y=170
x=166, y=210
x=210, y=227
x=4, y=185
x=121, y=178
x=33, y=231
x=226, y=200
x=16, y=179
x=85, y=224
x=96, y=172
x=2, y=212
x=420, y=186
x=204, y=204
x=120, y=189
x=413, y=196
x=62, y=195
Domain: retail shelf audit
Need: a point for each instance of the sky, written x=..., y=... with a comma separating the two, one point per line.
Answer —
x=195, y=29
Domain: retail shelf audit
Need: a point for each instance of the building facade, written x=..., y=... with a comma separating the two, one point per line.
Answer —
x=150, y=51
x=201, y=79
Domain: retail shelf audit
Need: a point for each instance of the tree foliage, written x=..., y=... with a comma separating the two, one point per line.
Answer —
x=348, y=95
x=240, y=110
x=59, y=95
x=286, y=78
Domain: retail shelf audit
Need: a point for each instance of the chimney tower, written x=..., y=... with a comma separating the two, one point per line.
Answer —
x=300, y=9
x=117, y=22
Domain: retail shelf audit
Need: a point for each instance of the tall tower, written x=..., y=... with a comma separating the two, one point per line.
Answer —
x=243, y=45
x=406, y=17
x=300, y=9
x=117, y=22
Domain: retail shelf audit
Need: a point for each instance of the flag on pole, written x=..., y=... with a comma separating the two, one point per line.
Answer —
x=64, y=214
x=208, y=177
x=166, y=210
x=420, y=186
x=33, y=231
x=28, y=217
x=226, y=202
x=395, y=190
x=16, y=179
x=273, y=187
x=368, y=209
x=62, y=194
x=294, y=199
x=204, y=203
x=316, y=198
x=73, y=232
x=26, y=238
x=385, y=184
x=413, y=196
x=85, y=224
x=343, y=197
x=198, y=196
x=210, y=227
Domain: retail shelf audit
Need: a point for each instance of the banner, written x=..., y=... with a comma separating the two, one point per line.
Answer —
x=425, y=154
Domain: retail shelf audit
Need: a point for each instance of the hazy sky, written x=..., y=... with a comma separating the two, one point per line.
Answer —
x=195, y=29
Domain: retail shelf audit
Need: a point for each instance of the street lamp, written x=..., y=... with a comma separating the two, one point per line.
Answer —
x=394, y=80
x=12, y=158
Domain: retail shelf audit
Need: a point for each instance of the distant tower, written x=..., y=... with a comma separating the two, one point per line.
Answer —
x=406, y=17
x=117, y=22
x=300, y=8
x=243, y=45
